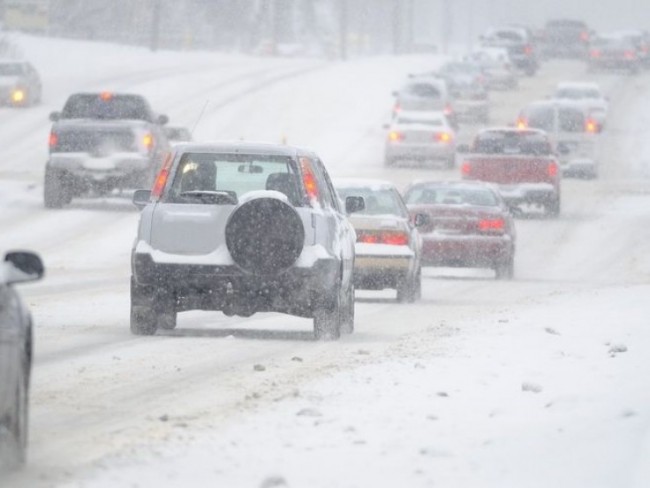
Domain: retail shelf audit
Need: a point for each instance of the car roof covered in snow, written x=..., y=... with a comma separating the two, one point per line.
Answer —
x=242, y=147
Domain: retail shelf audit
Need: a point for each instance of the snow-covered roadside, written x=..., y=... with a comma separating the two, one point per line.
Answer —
x=553, y=393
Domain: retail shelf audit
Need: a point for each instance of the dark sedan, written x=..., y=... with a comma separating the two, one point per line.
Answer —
x=15, y=356
x=469, y=226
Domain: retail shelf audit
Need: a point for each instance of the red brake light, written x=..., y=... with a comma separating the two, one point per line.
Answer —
x=595, y=53
x=54, y=140
x=391, y=238
x=397, y=107
x=466, y=169
x=584, y=36
x=491, y=225
x=630, y=55
x=395, y=136
x=106, y=96
x=309, y=180
x=443, y=137
x=528, y=50
x=448, y=110
x=161, y=179
x=552, y=169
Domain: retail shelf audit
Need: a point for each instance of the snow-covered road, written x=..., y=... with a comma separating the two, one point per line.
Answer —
x=542, y=381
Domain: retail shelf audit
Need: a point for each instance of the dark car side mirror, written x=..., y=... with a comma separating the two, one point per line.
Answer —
x=463, y=149
x=55, y=116
x=141, y=198
x=354, y=204
x=421, y=220
x=163, y=119
x=27, y=267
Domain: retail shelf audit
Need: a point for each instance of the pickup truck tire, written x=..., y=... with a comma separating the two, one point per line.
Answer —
x=56, y=192
x=347, y=313
x=265, y=236
x=553, y=208
x=328, y=317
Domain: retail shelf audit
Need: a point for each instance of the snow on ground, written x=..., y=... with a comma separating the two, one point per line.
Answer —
x=526, y=398
x=537, y=382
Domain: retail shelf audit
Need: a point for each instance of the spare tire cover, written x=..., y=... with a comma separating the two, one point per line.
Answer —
x=265, y=235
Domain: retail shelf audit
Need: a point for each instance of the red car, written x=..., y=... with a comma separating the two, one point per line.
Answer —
x=470, y=226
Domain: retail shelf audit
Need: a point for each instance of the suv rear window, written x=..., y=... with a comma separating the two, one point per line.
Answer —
x=11, y=69
x=235, y=174
x=424, y=90
x=571, y=120
x=104, y=106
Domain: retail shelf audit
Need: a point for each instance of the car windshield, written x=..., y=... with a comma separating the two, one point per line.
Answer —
x=11, y=69
x=235, y=174
x=450, y=195
x=104, y=106
x=506, y=36
x=378, y=201
x=496, y=142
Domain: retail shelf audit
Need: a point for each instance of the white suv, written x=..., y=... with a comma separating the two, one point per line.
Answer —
x=243, y=228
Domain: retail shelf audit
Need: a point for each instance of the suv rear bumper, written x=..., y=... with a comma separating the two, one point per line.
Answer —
x=82, y=166
x=228, y=288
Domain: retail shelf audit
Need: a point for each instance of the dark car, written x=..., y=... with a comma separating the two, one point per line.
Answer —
x=20, y=84
x=468, y=225
x=566, y=38
x=102, y=142
x=615, y=53
x=243, y=228
x=15, y=355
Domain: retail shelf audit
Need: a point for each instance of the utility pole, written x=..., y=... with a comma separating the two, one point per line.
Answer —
x=447, y=20
x=343, y=29
x=397, y=27
x=155, y=25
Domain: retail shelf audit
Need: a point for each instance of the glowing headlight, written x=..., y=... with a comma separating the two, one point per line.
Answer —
x=17, y=96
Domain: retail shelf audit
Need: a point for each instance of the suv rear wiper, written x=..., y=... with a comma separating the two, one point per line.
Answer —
x=214, y=197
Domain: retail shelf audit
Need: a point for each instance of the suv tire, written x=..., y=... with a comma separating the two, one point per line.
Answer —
x=56, y=192
x=327, y=318
x=144, y=320
x=347, y=314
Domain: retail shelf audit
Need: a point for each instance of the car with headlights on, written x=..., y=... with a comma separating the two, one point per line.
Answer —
x=468, y=225
x=614, y=52
x=420, y=136
x=16, y=346
x=243, y=228
x=20, y=84
x=587, y=93
x=101, y=142
x=573, y=132
x=388, y=247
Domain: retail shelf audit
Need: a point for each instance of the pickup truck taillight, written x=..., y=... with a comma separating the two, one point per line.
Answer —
x=392, y=238
x=552, y=169
x=466, y=169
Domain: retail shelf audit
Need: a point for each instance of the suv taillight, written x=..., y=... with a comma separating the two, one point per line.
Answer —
x=552, y=169
x=466, y=169
x=309, y=180
x=147, y=141
x=492, y=225
x=161, y=178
